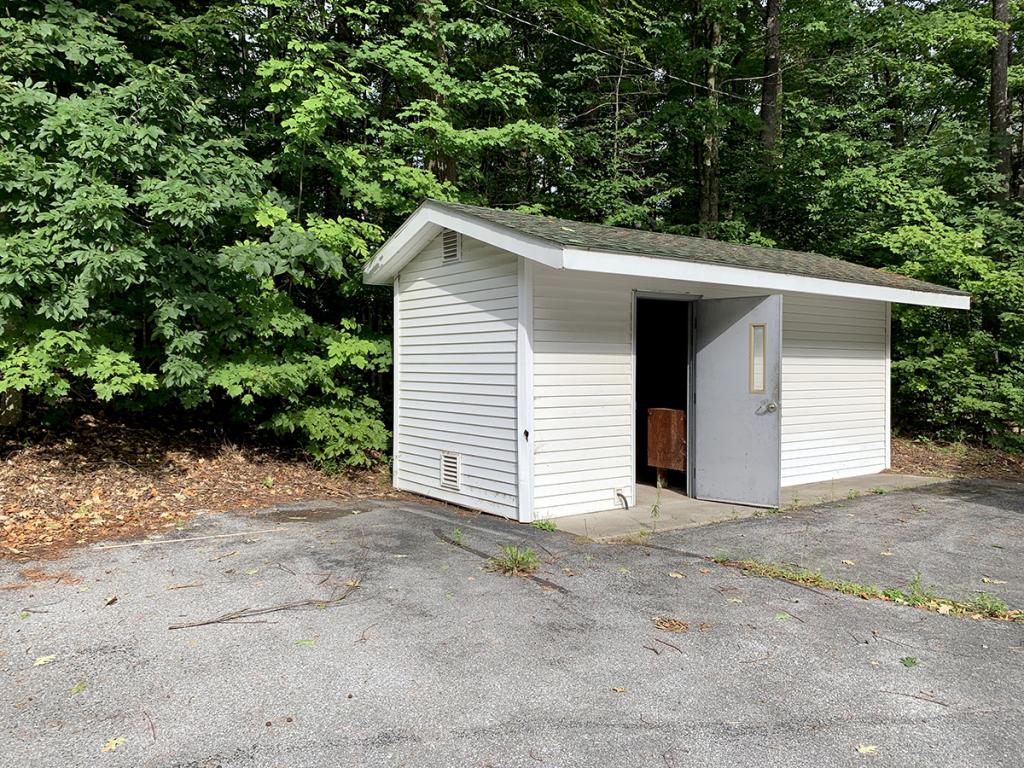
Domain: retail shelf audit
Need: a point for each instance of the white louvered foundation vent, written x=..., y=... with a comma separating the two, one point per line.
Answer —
x=451, y=247
x=450, y=475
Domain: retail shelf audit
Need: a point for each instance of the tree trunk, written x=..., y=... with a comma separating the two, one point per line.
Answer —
x=1016, y=181
x=10, y=408
x=709, y=181
x=441, y=164
x=998, y=99
x=771, y=84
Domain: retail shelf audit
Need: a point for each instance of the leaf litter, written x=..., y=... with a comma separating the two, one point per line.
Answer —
x=99, y=479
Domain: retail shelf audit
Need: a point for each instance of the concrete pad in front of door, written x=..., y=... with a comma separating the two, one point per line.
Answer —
x=670, y=510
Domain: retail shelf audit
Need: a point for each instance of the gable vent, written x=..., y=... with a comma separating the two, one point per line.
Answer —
x=450, y=471
x=451, y=247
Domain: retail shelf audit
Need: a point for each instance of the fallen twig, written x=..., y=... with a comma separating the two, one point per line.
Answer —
x=790, y=613
x=363, y=636
x=188, y=538
x=246, y=613
x=229, y=554
x=878, y=636
x=184, y=586
x=152, y=728
x=919, y=696
x=670, y=645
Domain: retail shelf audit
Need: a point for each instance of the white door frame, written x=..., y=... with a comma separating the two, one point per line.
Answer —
x=660, y=296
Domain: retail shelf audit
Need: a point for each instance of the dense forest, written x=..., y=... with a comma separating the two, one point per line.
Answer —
x=188, y=190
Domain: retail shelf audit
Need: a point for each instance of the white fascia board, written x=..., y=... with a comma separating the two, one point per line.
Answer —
x=677, y=269
x=429, y=219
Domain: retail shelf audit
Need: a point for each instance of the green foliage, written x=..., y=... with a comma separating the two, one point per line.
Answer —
x=515, y=561
x=142, y=255
x=989, y=605
x=916, y=594
x=189, y=190
x=545, y=525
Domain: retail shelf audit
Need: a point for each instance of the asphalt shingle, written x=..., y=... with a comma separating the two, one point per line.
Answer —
x=599, y=237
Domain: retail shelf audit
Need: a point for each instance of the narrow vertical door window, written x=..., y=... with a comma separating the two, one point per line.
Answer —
x=758, y=357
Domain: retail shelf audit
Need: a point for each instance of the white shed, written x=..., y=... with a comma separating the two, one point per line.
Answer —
x=528, y=350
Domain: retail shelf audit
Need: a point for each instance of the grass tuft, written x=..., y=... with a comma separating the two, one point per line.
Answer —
x=515, y=561
x=916, y=594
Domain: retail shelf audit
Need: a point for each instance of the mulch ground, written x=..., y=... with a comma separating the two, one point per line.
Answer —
x=956, y=460
x=99, y=480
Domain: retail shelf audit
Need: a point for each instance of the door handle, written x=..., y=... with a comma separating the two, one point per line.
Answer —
x=772, y=407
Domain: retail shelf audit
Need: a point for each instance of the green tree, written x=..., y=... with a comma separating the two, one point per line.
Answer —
x=142, y=255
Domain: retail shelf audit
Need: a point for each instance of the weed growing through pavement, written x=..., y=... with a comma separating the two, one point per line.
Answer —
x=989, y=605
x=637, y=537
x=457, y=537
x=656, y=507
x=544, y=525
x=915, y=594
x=515, y=561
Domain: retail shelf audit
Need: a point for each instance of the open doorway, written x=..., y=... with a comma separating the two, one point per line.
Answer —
x=662, y=364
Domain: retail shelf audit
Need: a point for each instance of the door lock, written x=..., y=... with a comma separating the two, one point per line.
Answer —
x=772, y=407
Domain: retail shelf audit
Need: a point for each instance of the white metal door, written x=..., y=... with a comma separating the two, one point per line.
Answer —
x=736, y=440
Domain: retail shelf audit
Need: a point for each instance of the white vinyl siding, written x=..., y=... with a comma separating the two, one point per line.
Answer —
x=583, y=386
x=456, y=382
x=582, y=392
x=835, y=374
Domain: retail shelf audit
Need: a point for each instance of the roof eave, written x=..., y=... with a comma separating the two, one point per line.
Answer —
x=429, y=219
x=586, y=260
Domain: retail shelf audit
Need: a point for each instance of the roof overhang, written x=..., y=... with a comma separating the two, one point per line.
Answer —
x=427, y=221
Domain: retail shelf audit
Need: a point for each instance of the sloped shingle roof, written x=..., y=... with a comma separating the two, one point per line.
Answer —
x=598, y=237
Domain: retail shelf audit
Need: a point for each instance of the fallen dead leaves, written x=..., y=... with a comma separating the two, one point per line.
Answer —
x=112, y=744
x=100, y=479
x=671, y=625
x=668, y=624
x=955, y=460
x=32, y=576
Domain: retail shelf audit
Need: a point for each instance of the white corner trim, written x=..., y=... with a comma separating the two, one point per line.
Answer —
x=677, y=269
x=524, y=391
x=888, y=386
x=634, y=295
x=429, y=219
x=396, y=381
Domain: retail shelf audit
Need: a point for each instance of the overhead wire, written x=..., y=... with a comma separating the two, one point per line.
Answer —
x=611, y=54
